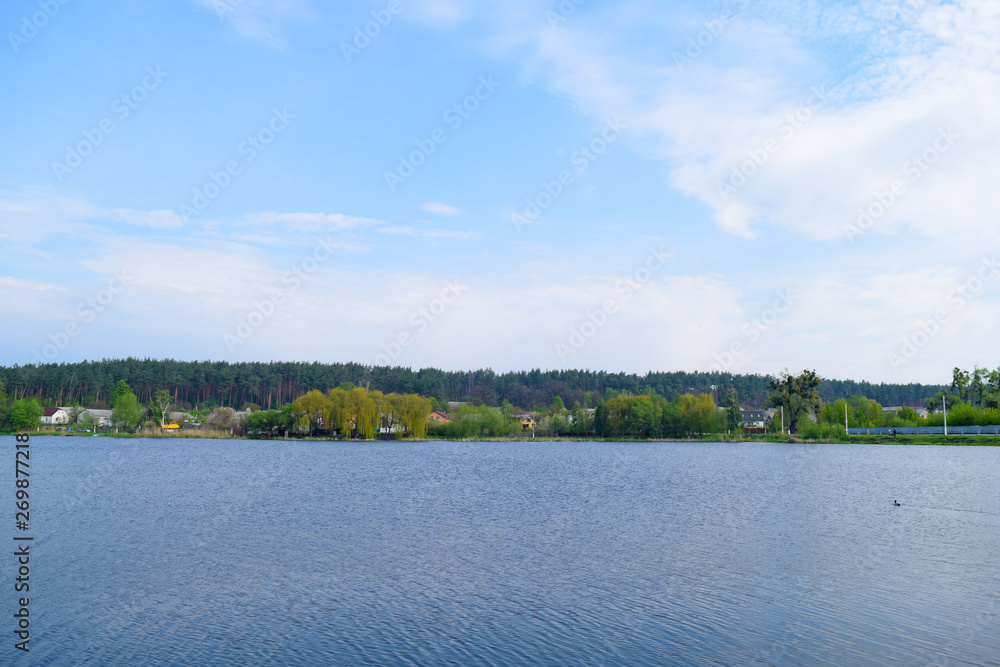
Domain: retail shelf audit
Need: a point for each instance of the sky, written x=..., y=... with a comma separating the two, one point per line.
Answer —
x=740, y=186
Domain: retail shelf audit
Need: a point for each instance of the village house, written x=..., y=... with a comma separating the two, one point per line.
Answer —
x=55, y=416
x=754, y=421
x=439, y=417
x=101, y=418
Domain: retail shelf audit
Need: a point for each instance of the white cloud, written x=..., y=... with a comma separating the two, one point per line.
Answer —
x=440, y=209
x=927, y=72
x=395, y=230
x=155, y=219
x=311, y=222
x=16, y=283
x=258, y=20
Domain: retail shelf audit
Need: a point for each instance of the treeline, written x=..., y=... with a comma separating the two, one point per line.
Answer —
x=345, y=412
x=198, y=384
x=624, y=416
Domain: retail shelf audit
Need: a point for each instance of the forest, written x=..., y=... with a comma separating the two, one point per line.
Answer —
x=207, y=384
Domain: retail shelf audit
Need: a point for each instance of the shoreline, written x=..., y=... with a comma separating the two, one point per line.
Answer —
x=941, y=440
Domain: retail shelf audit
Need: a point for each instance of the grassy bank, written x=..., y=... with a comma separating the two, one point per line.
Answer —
x=954, y=440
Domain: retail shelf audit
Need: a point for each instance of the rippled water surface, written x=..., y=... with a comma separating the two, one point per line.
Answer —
x=239, y=552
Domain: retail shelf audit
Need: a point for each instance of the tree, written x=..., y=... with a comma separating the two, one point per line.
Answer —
x=557, y=405
x=121, y=390
x=313, y=409
x=960, y=382
x=696, y=412
x=127, y=410
x=88, y=422
x=3, y=404
x=978, y=384
x=161, y=406
x=734, y=415
x=24, y=415
x=267, y=422
x=796, y=394
x=941, y=398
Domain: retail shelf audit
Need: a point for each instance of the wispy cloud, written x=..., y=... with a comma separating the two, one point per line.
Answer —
x=931, y=69
x=440, y=209
x=9, y=281
x=312, y=222
x=258, y=20
x=395, y=230
x=154, y=219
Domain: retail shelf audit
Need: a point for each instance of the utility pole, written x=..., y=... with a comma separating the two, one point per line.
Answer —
x=782, y=420
x=845, y=418
x=944, y=405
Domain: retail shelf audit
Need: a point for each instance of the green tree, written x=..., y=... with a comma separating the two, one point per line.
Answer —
x=3, y=404
x=121, y=390
x=127, y=411
x=696, y=412
x=557, y=405
x=25, y=415
x=960, y=383
x=313, y=410
x=942, y=398
x=796, y=394
x=161, y=406
x=266, y=422
x=734, y=415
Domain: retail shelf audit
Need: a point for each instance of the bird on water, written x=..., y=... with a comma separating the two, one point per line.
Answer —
x=896, y=503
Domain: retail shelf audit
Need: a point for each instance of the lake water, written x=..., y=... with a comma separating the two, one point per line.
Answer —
x=239, y=552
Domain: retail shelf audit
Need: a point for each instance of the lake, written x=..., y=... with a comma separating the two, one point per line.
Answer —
x=235, y=552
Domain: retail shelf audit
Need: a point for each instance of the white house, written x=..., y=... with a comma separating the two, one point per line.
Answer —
x=53, y=416
x=101, y=418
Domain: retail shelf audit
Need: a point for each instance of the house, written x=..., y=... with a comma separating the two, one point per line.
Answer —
x=181, y=417
x=754, y=421
x=53, y=416
x=439, y=417
x=921, y=410
x=101, y=418
x=527, y=422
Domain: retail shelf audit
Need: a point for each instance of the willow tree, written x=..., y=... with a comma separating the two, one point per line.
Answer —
x=413, y=413
x=365, y=411
x=696, y=412
x=341, y=414
x=313, y=410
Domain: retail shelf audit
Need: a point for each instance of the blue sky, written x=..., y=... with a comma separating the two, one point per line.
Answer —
x=744, y=185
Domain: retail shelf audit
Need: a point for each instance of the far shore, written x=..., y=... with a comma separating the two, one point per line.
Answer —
x=951, y=440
